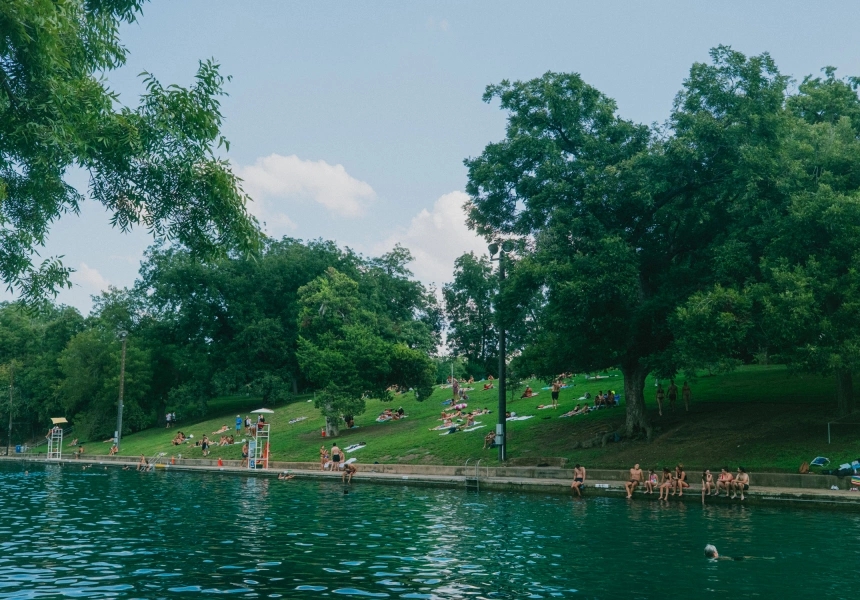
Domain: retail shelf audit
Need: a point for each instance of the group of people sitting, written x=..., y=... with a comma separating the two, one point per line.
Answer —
x=676, y=482
x=610, y=398
x=464, y=419
x=390, y=415
x=178, y=439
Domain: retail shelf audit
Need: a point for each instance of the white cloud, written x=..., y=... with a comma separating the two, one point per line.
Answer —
x=86, y=276
x=436, y=238
x=275, y=182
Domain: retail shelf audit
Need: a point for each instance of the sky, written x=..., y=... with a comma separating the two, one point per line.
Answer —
x=351, y=120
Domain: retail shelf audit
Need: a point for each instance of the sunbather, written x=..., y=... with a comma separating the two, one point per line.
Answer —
x=222, y=430
x=489, y=440
x=528, y=393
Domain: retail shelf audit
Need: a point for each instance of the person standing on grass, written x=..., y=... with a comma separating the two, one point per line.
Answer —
x=239, y=423
x=672, y=392
x=556, y=388
x=248, y=424
x=578, y=479
x=686, y=393
x=660, y=396
x=455, y=388
x=635, y=479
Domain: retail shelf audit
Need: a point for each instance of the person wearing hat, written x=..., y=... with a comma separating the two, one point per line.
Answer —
x=238, y=424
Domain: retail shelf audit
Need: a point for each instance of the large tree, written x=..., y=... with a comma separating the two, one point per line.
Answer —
x=472, y=331
x=619, y=224
x=153, y=166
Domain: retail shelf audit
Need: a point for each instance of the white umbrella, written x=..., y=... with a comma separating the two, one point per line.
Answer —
x=265, y=411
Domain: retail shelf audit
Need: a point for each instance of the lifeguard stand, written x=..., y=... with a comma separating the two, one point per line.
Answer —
x=55, y=439
x=258, y=447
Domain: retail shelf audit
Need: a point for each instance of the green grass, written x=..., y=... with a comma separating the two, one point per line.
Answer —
x=761, y=417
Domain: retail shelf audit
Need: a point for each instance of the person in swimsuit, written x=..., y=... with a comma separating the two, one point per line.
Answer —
x=686, y=393
x=707, y=483
x=672, y=392
x=348, y=471
x=323, y=457
x=245, y=454
x=660, y=395
x=680, y=480
x=141, y=464
x=285, y=477
x=650, y=482
x=725, y=481
x=635, y=479
x=578, y=479
x=666, y=484
x=335, y=457
x=741, y=482
x=204, y=444
x=556, y=388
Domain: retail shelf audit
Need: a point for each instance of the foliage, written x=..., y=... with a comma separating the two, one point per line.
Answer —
x=472, y=330
x=153, y=166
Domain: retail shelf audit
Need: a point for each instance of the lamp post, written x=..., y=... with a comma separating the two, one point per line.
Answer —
x=123, y=335
x=11, y=388
x=501, y=427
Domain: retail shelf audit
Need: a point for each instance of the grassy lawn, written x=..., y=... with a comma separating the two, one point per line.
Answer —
x=760, y=417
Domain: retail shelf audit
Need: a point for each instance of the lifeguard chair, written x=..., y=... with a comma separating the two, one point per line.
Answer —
x=55, y=439
x=258, y=447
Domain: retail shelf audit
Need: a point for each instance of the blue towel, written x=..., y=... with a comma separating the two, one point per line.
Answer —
x=820, y=461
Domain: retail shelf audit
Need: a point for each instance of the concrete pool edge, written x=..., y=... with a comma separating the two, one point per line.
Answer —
x=489, y=480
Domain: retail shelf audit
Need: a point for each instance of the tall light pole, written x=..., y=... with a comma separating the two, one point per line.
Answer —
x=123, y=335
x=501, y=427
x=11, y=384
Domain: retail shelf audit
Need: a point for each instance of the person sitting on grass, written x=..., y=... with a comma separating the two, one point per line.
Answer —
x=489, y=440
x=650, y=482
x=741, y=482
x=178, y=439
x=488, y=386
x=113, y=450
x=74, y=442
x=725, y=481
x=668, y=483
x=528, y=393
x=470, y=420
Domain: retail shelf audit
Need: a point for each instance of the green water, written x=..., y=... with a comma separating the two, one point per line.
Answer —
x=121, y=534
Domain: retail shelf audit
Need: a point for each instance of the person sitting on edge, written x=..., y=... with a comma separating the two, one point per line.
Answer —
x=680, y=480
x=489, y=440
x=650, y=481
x=528, y=393
x=348, y=471
x=741, y=482
x=725, y=481
x=113, y=450
x=707, y=483
x=141, y=464
x=635, y=479
x=578, y=479
x=668, y=483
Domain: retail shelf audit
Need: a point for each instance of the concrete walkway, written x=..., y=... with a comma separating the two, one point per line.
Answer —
x=605, y=483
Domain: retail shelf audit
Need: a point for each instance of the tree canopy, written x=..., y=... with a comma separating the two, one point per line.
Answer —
x=154, y=166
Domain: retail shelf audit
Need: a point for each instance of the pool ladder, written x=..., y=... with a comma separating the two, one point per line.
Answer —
x=473, y=482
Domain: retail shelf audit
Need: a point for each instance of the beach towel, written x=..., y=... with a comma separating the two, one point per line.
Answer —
x=522, y=418
x=820, y=461
x=355, y=447
x=474, y=427
x=297, y=419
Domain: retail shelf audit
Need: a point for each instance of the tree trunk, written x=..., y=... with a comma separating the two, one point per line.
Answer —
x=634, y=397
x=332, y=424
x=844, y=392
x=295, y=385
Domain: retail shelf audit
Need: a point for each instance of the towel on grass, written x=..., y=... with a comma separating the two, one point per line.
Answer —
x=297, y=419
x=355, y=447
x=519, y=418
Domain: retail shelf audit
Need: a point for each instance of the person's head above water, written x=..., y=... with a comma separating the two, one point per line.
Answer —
x=711, y=551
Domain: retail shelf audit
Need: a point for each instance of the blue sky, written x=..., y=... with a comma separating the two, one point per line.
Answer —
x=351, y=120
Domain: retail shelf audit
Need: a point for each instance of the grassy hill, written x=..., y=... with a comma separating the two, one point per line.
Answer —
x=761, y=417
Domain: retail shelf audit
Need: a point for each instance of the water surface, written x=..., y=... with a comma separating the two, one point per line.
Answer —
x=68, y=532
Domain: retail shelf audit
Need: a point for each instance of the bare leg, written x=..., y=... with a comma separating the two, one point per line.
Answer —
x=660, y=406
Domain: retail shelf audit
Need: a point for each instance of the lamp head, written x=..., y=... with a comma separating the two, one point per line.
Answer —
x=508, y=245
x=122, y=333
x=493, y=248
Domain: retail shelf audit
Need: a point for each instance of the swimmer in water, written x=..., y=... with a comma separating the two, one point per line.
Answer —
x=712, y=554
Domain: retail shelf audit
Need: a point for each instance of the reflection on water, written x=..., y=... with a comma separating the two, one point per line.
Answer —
x=122, y=534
